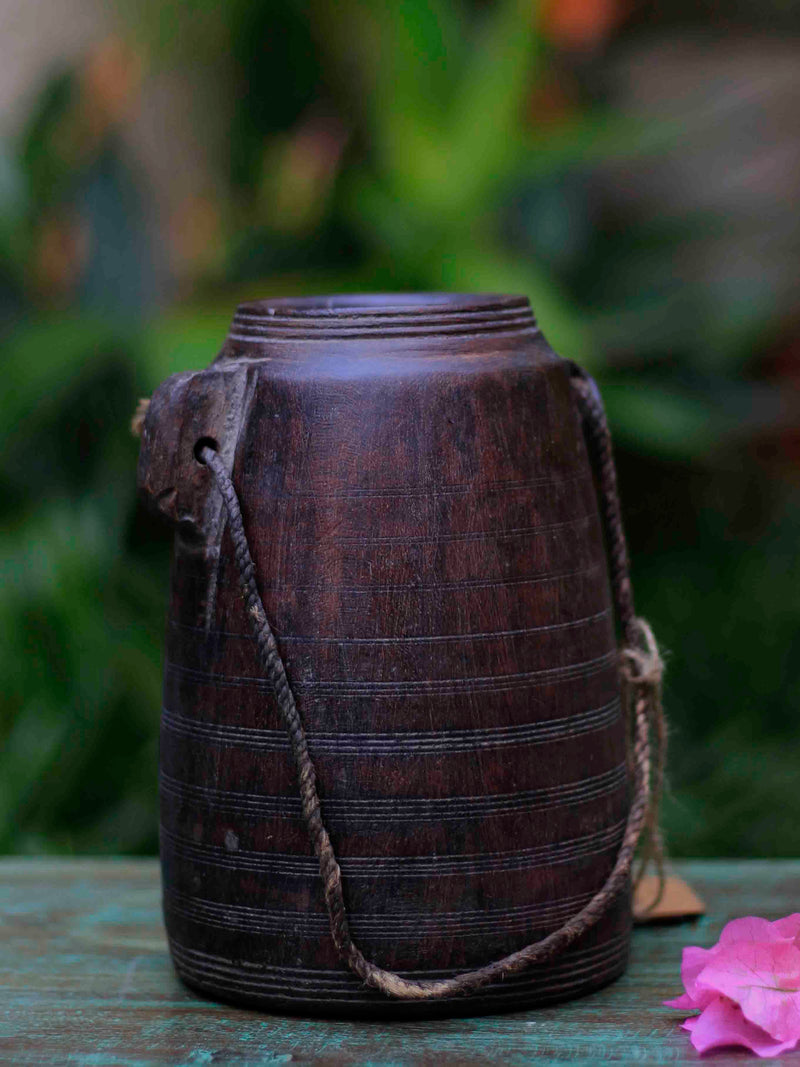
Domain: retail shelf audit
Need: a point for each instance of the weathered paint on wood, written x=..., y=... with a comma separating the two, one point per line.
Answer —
x=85, y=977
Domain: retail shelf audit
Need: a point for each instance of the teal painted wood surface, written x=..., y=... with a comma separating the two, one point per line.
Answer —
x=85, y=979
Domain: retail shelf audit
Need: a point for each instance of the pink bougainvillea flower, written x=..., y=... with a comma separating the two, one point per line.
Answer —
x=722, y=1024
x=746, y=987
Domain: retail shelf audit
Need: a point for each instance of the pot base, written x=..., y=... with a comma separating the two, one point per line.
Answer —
x=340, y=994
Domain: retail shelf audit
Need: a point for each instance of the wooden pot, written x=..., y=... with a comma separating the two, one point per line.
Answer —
x=420, y=508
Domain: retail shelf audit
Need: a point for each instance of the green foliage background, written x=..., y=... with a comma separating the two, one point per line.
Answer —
x=438, y=174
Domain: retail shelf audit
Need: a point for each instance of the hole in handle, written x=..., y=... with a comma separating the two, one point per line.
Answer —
x=200, y=445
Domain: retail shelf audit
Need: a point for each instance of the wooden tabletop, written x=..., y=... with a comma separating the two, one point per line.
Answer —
x=85, y=978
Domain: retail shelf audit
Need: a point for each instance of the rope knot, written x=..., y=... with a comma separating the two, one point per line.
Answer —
x=640, y=660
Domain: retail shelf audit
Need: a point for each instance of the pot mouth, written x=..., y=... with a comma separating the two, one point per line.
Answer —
x=380, y=315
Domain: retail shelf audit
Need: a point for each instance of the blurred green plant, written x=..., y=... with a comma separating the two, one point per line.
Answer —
x=417, y=144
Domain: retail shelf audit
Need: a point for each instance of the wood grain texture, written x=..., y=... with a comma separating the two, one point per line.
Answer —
x=420, y=509
x=86, y=978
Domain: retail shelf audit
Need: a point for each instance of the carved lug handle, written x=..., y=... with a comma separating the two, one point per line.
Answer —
x=188, y=409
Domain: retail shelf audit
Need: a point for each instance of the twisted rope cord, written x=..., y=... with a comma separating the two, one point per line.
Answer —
x=598, y=440
x=640, y=667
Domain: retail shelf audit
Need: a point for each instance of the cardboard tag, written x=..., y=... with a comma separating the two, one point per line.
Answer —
x=678, y=901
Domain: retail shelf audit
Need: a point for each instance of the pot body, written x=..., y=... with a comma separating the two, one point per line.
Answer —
x=421, y=512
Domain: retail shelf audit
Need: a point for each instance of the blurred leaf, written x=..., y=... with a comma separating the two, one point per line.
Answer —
x=484, y=130
x=73, y=666
x=184, y=339
x=663, y=420
x=719, y=606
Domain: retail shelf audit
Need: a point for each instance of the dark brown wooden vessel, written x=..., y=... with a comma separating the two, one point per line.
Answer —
x=420, y=507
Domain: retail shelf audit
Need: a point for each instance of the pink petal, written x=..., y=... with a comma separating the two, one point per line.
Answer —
x=789, y=926
x=722, y=1023
x=693, y=963
x=763, y=979
x=750, y=928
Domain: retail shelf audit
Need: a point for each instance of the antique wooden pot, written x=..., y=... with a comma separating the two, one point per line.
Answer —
x=419, y=503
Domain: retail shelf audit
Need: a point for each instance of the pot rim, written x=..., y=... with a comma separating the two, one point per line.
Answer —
x=347, y=305
x=380, y=315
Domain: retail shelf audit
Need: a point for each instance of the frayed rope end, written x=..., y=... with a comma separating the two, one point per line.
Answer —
x=137, y=422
